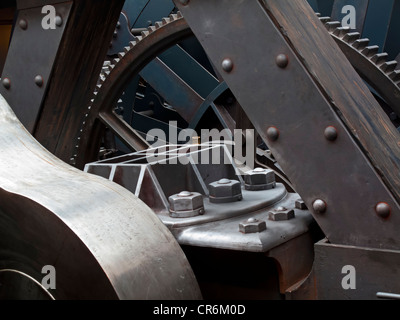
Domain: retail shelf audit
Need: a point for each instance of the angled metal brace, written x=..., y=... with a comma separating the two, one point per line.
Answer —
x=317, y=116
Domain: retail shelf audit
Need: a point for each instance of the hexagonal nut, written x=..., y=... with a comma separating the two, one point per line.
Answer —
x=186, y=204
x=260, y=179
x=252, y=225
x=281, y=214
x=225, y=190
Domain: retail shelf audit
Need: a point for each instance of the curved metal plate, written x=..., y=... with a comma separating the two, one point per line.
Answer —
x=102, y=240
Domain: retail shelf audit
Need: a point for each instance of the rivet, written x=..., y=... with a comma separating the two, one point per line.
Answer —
x=331, y=133
x=319, y=206
x=282, y=60
x=23, y=24
x=383, y=210
x=59, y=21
x=7, y=83
x=39, y=80
x=184, y=2
x=273, y=133
x=118, y=25
x=227, y=65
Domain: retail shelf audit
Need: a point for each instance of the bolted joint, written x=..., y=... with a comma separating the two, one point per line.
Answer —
x=260, y=179
x=281, y=214
x=252, y=225
x=225, y=191
x=186, y=204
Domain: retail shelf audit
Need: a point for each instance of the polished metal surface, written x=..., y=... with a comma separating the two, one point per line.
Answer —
x=103, y=241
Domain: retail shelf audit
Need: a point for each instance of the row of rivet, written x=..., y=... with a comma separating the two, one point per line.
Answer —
x=39, y=81
x=331, y=134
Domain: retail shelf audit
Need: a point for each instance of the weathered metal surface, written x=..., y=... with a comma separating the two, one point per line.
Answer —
x=371, y=271
x=291, y=101
x=75, y=74
x=102, y=240
x=32, y=54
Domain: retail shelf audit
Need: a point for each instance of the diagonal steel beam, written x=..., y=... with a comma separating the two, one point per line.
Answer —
x=320, y=121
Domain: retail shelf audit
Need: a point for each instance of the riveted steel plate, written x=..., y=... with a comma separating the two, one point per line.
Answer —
x=32, y=53
x=289, y=99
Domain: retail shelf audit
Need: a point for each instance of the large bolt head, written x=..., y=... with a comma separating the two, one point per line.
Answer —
x=260, y=179
x=186, y=204
x=225, y=190
x=252, y=225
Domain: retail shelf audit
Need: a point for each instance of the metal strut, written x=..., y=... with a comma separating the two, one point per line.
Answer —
x=313, y=110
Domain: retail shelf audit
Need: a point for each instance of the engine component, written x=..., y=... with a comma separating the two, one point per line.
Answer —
x=103, y=242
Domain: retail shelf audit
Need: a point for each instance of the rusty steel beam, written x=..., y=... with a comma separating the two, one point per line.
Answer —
x=76, y=70
x=312, y=109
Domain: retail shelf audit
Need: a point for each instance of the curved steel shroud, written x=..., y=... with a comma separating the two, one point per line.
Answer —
x=103, y=241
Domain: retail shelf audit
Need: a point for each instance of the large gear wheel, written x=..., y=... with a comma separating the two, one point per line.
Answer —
x=381, y=75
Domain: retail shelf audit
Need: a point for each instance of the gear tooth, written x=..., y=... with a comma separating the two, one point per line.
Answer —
x=173, y=17
x=332, y=25
x=179, y=14
x=126, y=49
x=165, y=21
x=106, y=63
x=317, y=14
x=115, y=61
x=370, y=51
x=151, y=29
x=351, y=37
x=111, y=67
x=389, y=66
x=158, y=24
x=341, y=31
x=379, y=58
x=325, y=20
x=121, y=55
x=361, y=43
x=132, y=44
x=145, y=33
x=139, y=38
x=395, y=76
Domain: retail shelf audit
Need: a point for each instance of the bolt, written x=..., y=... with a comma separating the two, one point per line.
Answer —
x=6, y=83
x=227, y=65
x=331, y=133
x=281, y=214
x=260, y=179
x=225, y=190
x=300, y=204
x=252, y=225
x=383, y=210
x=319, y=206
x=273, y=134
x=59, y=21
x=186, y=204
x=282, y=61
x=39, y=81
x=23, y=24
